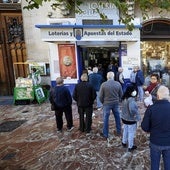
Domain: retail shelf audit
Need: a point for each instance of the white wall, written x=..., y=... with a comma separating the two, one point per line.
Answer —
x=37, y=50
x=132, y=59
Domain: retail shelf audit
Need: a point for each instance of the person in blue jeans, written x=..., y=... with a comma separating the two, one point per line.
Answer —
x=156, y=121
x=110, y=95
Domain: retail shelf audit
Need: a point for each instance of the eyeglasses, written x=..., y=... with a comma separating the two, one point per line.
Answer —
x=153, y=78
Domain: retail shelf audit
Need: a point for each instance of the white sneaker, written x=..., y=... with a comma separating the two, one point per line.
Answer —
x=100, y=108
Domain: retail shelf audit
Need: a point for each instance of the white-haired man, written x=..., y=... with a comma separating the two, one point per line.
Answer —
x=96, y=80
x=156, y=121
x=84, y=94
x=110, y=95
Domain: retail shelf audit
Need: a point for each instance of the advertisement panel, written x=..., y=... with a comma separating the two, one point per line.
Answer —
x=67, y=61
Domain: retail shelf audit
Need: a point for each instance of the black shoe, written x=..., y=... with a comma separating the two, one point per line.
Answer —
x=132, y=149
x=124, y=145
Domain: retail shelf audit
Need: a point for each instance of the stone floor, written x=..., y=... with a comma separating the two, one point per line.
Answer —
x=36, y=145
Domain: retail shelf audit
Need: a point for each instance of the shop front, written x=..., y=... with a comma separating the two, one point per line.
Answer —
x=87, y=41
x=155, y=48
x=75, y=47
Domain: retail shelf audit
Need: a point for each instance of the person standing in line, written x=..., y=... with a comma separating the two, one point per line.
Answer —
x=133, y=77
x=96, y=80
x=110, y=95
x=139, y=83
x=153, y=86
x=156, y=121
x=120, y=78
x=84, y=94
x=101, y=70
x=113, y=66
x=130, y=116
x=61, y=98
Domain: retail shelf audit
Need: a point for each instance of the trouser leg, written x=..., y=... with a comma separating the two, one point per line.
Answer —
x=88, y=121
x=59, y=119
x=69, y=117
x=81, y=121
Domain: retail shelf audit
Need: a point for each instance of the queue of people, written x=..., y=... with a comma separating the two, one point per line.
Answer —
x=109, y=95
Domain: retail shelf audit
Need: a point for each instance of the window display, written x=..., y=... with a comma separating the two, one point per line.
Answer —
x=156, y=58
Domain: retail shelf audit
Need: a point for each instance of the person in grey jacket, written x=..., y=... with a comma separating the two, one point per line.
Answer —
x=130, y=115
x=110, y=95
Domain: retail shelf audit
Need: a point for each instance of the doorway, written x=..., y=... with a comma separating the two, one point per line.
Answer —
x=12, y=49
x=100, y=56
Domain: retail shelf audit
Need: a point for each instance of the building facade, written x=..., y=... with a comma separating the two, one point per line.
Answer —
x=65, y=43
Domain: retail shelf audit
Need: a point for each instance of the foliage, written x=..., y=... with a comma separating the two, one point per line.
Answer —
x=144, y=5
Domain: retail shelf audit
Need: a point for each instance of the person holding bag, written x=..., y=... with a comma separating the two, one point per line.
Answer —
x=151, y=90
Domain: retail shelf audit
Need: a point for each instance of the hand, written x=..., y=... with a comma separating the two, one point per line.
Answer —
x=147, y=93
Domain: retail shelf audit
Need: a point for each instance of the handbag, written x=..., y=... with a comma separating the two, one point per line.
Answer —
x=53, y=107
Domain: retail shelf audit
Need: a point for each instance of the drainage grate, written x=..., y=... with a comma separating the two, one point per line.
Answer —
x=8, y=156
x=10, y=125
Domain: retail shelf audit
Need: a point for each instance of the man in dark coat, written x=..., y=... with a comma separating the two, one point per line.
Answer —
x=156, y=121
x=61, y=98
x=84, y=94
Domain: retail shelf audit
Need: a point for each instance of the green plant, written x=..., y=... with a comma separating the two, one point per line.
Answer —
x=144, y=5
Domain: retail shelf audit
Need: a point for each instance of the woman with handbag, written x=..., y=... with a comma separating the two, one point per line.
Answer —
x=151, y=90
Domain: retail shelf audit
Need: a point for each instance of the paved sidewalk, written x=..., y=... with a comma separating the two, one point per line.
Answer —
x=36, y=145
x=6, y=100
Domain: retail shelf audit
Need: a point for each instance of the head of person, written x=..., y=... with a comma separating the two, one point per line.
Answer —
x=163, y=93
x=59, y=81
x=110, y=75
x=84, y=77
x=99, y=66
x=95, y=69
x=135, y=68
x=154, y=78
x=120, y=69
x=34, y=70
x=130, y=92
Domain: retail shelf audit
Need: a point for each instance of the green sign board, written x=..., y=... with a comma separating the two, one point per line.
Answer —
x=39, y=94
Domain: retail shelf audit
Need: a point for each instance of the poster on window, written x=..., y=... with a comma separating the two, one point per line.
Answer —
x=156, y=65
x=67, y=60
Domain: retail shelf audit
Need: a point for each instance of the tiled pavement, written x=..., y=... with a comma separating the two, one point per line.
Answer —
x=36, y=145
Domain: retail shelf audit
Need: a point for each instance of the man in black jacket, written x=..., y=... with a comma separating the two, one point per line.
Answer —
x=61, y=98
x=84, y=94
